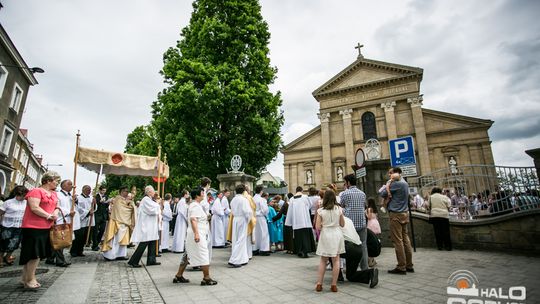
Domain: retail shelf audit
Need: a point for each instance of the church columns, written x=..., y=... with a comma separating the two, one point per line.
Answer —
x=348, y=135
x=420, y=131
x=327, y=157
x=391, y=130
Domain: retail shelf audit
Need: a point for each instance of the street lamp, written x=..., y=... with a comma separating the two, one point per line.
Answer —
x=32, y=70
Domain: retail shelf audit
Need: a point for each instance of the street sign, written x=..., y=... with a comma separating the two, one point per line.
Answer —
x=361, y=172
x=402, y=155
x=359, y=157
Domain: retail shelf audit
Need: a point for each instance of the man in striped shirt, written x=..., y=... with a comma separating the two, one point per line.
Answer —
x=353, y=201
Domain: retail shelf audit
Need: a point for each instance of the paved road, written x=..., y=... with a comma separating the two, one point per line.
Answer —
x=278, y=278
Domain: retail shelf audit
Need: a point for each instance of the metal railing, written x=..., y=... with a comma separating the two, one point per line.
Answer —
x=478, y=191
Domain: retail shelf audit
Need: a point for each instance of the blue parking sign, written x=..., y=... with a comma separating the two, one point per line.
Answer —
x=402, y=151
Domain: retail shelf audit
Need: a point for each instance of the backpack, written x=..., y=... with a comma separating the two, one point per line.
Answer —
x=373, y=244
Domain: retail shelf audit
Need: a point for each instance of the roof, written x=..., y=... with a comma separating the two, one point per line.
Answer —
x=400, y=72
x=14, y=53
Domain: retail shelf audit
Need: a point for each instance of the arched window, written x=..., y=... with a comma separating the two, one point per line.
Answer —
x=368, y=126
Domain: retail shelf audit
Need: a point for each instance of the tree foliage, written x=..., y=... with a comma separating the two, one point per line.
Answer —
x=217, y=102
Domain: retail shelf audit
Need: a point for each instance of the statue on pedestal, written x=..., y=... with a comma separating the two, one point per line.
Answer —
x=453, y=165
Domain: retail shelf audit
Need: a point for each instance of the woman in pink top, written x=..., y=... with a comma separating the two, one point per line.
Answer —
x=38, y=218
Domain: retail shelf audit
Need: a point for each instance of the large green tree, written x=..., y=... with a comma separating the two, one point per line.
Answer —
x=218, y=103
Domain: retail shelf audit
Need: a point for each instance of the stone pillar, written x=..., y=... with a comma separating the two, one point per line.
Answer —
x=327, y=157
x=390, y=117
x=420, y=131
x=348, y=137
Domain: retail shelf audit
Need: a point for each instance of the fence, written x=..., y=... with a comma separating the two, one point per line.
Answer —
x=482, y=190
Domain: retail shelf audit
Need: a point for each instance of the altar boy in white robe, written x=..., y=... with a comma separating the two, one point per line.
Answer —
x=242, y=213
x=146, y=231
x=205, y=184
x=86, y=209
x=226, y=211
x=218, y=215
x=180, y=228
x=262, y=238
x=298, y=216
x=166, y=219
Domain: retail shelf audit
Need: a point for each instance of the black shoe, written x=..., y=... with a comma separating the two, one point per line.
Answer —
x=218, y=246
x=81, y=254
x=122, y=259
x=134, y=265
x=158, y=255
x=95, y=248
x=108, y=260
x=164, y=250
x=62, y=265
x=153, y=264
x=397, y=271
x=410, y=269
x=130, y=245
x=305, y=255
x=73, y=255
x=340, y=277
x=256, y=252
x=374, y=278
x=264, y=253
x=49, y=262
x=231, y=265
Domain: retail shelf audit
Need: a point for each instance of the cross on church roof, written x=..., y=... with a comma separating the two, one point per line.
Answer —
x=359, y=47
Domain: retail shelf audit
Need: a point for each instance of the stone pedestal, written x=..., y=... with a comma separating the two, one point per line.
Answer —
x=231, y=180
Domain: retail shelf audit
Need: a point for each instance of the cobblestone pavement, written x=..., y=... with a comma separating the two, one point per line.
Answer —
x=278, y=278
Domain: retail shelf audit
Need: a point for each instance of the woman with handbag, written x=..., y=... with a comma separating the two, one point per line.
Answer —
x=39, y=216
x=438, y=205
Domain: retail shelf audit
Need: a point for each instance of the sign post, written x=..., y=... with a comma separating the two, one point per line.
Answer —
x=402, y=155
x=360, y=158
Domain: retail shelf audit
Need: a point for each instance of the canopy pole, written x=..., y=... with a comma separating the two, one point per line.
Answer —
x=164, y=179
x=75, y=164
x=159, y=170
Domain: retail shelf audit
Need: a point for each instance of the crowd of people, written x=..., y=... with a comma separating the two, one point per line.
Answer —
x=335, y=226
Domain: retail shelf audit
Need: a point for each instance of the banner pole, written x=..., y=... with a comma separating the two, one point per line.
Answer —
x=75, y=164
x=159, y=170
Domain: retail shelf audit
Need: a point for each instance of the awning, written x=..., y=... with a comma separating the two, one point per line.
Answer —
x=121, y=163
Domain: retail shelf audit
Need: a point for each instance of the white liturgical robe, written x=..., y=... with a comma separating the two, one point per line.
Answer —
x=226, y=212
x=298, y=215
x=146, y=227
x=84, y=206
x=180, y=228
x=218, y=214
x=242, y=213
x=166, y=219
x=262, y=238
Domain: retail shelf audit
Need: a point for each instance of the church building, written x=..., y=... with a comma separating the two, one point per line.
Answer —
x=364, y=106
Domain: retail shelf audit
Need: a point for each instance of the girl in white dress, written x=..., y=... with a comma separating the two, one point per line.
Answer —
x=331, y=242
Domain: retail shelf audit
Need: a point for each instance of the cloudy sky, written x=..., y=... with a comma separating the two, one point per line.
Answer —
x=102, y=58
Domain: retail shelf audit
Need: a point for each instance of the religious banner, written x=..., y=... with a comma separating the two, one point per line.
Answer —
x=121, y=163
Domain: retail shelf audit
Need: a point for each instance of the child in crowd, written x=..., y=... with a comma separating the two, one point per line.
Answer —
x=393, y=177
x=372, y=224
x=331, y=244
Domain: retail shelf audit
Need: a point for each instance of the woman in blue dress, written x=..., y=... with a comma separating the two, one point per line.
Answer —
x=275, y=229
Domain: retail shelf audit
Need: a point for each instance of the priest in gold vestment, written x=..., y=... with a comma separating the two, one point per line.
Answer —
x=121, y=223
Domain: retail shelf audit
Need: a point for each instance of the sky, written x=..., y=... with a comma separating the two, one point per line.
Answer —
x=102, y=61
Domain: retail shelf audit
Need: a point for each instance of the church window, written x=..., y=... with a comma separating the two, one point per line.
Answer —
x=368, y=126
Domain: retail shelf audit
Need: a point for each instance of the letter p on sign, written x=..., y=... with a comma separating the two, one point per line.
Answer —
x=401, y=147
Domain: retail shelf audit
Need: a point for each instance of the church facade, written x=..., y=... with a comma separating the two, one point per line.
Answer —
x=364, y=106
